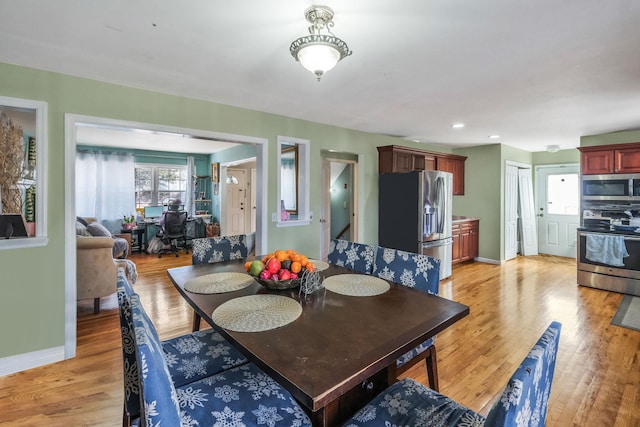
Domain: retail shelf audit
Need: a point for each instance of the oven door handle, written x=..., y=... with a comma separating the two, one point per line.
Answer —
x=626, y=236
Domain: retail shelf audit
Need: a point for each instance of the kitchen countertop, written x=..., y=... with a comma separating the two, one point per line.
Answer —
x=608, y=231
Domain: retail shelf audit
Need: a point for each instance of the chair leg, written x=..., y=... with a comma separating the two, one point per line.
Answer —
x=96, y=305
x=432, y=368
x=195, y=323
x=126, y=419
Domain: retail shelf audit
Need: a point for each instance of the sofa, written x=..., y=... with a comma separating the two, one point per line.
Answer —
x=96, y=270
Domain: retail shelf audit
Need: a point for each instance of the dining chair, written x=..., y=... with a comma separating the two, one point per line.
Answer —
x=189, y=357
x=210, y=250
x=217, y=249
x=242, y=396
x=354, y=256
x=522, y=403
x=415, y=271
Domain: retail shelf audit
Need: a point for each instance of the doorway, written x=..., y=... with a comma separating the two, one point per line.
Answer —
x=72, y=121
x=557, y=205
x=339, y=206
x=519, y=213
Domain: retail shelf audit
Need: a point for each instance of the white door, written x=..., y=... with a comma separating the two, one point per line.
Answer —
x=236, y=201
x=528, y=235
x=558, y=204
x=510, y=212
x=254, y=206
x=325, y=220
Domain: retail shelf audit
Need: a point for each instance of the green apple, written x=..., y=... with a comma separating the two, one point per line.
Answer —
x=256, y=268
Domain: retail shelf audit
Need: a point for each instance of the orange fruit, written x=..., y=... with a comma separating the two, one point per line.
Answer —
x=296, y=267
x=281, y=255
x=311, y=267
x=247, y=265
x=303, y=261
x=296, y=257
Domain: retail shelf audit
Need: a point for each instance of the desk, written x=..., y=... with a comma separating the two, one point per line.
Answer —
x=140, y=233
x=336, y=344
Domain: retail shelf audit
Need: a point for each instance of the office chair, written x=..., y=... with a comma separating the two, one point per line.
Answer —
x=174, y=233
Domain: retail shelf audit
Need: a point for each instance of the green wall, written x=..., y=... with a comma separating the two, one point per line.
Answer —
x=622, y=137
x=41, y=290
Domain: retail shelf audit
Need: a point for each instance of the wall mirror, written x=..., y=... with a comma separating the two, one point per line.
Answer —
x=289, y=177
x=23, y=154
x=293, y=182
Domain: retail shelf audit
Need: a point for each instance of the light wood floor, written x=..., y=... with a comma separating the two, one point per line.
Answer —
x=597, y=378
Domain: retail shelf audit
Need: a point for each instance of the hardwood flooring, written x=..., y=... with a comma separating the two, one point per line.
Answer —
x=597, y=378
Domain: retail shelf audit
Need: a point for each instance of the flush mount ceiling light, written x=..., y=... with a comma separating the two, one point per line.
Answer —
x=457, y=125
x=320, y=51
x=553, y=148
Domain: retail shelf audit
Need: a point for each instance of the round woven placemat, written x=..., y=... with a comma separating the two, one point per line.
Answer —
x=218, y=283
x=255, y=313
x=320, y=265
x=356, y=285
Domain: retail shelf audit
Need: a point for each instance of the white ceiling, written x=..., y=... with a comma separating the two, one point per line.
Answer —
x=536, y=73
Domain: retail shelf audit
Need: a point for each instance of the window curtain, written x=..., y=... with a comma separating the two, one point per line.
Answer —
x=105, y=184
x=189, y=203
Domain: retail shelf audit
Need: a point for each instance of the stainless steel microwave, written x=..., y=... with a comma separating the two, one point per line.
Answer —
x=611, y=187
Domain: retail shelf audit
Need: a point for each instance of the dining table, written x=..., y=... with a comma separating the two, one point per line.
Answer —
x=340, y=350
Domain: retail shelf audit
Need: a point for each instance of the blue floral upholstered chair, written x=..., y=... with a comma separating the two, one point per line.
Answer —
x=189, y=357
x=217, y=249
x=415, y=271
x=523, y=401
x=241, y=396
x=354, y=256
x=210, y=250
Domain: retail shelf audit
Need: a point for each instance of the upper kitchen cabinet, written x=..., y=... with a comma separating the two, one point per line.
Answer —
x=455, y=165
x=395, y=158
x=606, y=159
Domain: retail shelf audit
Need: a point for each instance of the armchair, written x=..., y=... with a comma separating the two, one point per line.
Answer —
x=96, y=271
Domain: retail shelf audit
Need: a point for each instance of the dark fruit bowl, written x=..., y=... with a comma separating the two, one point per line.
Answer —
x=278, y=285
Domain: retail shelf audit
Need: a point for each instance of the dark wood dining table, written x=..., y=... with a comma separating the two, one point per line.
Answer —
x=340, y=352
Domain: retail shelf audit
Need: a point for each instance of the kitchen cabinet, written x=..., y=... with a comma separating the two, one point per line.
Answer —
x=606, y=159
x=395, y=158
x=465, y=234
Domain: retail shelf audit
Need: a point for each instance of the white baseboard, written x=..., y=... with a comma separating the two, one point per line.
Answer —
x=488, y=260
x=22, y=362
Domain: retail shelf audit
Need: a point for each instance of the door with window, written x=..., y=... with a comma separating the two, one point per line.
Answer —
x=558, y=206
x=236, y=202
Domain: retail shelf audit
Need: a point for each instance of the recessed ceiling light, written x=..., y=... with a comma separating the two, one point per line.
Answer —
x=494, y=136
x=457, y=125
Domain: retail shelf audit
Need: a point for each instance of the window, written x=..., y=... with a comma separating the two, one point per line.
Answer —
x=160, y=184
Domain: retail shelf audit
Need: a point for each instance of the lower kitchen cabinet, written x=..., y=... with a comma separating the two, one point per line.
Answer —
x=465, y=233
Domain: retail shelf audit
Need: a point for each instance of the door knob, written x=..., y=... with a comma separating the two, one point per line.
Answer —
x=323, y=221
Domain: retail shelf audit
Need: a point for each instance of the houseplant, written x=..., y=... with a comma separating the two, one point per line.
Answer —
x=128, y=221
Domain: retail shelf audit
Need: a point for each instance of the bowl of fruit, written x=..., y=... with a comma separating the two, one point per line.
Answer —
x=280, y=269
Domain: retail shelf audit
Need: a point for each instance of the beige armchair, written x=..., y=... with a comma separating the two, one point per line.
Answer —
x=96, y=271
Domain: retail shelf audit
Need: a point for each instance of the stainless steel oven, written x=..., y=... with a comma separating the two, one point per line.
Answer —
x=624, y=279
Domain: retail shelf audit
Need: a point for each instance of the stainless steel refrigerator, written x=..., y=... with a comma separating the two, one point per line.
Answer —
x=415, y=214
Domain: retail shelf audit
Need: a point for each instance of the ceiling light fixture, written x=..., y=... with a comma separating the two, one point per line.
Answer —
x=553, y=148
x=457, y=125
x=494, y=136
x=320, y=51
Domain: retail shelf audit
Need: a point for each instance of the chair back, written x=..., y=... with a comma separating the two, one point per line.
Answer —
x=175, y=224
x=129, y=359
x=218, y=249
x=354, y=256
x=409, y=269
x=159, y=398
x=524, y=400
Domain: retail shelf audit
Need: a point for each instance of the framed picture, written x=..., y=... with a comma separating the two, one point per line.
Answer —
x=215, y=172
